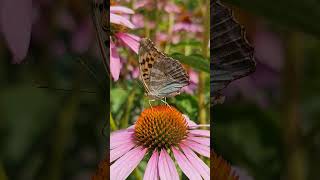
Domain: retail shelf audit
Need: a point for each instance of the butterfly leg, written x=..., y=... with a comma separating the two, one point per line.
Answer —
x=150, y=100
x=165, y=101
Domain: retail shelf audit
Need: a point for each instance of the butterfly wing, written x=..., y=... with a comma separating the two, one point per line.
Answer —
x=232, y=56
x=147, y=56
x=167, y=77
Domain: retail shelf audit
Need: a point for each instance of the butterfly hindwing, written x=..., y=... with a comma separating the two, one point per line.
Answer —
x=168, y=76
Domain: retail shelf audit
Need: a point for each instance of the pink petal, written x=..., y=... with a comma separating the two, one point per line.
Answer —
x=196, y=162
x=166, y=167
x=120, y=150
x=189, y=122
x=200, y=140
x=115, y=64
x=194, y=76
x=151, y=172
x=122, y=168
x=200, y=132
x=130, y=40
x=185, y=165
x=117, y=19
x=121, y=9
x=199, y=148
x=16, y=21
x=120, y=137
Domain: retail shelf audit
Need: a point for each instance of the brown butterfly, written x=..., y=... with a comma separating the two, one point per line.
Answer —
x=161, y=75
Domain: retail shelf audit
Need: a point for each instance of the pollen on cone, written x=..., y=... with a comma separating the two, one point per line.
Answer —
x=160, y=127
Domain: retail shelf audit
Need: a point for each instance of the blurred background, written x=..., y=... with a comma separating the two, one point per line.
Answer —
x=268, y=127
x=52, y=108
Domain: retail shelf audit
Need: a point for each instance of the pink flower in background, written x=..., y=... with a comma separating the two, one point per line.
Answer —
x=188, y=27
x=146, y=4
x=178, y=134
x=16, y=18
x=172, y=8
x=115, y=64
x=138, y=20
x=123, y=38
x=116, y=18
x=194, y=80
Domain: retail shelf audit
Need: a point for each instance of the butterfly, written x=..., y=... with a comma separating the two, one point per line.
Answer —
x=232, y=56
x=161, y=75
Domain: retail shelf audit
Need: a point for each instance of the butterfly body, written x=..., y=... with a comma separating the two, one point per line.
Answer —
x=162, y=76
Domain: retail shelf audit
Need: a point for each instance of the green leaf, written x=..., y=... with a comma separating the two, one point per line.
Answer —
x=297, y=14
x=118, y=97
x=196, y=61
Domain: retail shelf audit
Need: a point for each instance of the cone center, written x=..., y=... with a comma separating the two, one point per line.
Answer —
x=160, y=127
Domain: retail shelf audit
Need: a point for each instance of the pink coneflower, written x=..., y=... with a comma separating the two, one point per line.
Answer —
x=119, y=26
x=185, y=23
x=162, y=132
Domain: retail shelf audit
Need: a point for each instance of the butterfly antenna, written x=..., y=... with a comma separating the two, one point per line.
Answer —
x=165, y=102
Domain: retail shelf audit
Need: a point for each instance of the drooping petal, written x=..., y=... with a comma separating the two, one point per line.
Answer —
x=122, y=168
x=199, y=148
x=115, y=64
x=120, y=137
x=196, y=162
x=166, y=167
x=121, y=9
x=189, y=122
x=201, y=140
x=130, y=40
x=16, y=21
x=117, y=19
x=121, y=150
x=151, y=172
x=205, y=133
x=185, y=165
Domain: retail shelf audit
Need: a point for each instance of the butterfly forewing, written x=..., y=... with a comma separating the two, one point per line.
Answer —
x=161, y=75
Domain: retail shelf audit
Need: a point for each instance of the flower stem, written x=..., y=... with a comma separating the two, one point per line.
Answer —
x=293, y=146
x=202, y=75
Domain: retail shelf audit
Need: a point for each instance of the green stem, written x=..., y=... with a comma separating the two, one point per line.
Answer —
x=125, y=121
x=63, y=133
x=202, y=75
x=3, y=175
x=113, y=125
x=169, y=31
x=294, y=150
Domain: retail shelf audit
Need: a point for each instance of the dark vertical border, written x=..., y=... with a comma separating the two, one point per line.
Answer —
x=101, y=20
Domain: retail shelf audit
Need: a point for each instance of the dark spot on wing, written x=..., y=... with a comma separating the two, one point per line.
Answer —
x=150, y=65
x=142, y=62
x=147, y=59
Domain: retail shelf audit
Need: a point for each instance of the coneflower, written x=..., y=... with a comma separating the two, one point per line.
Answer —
x=162, y=132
